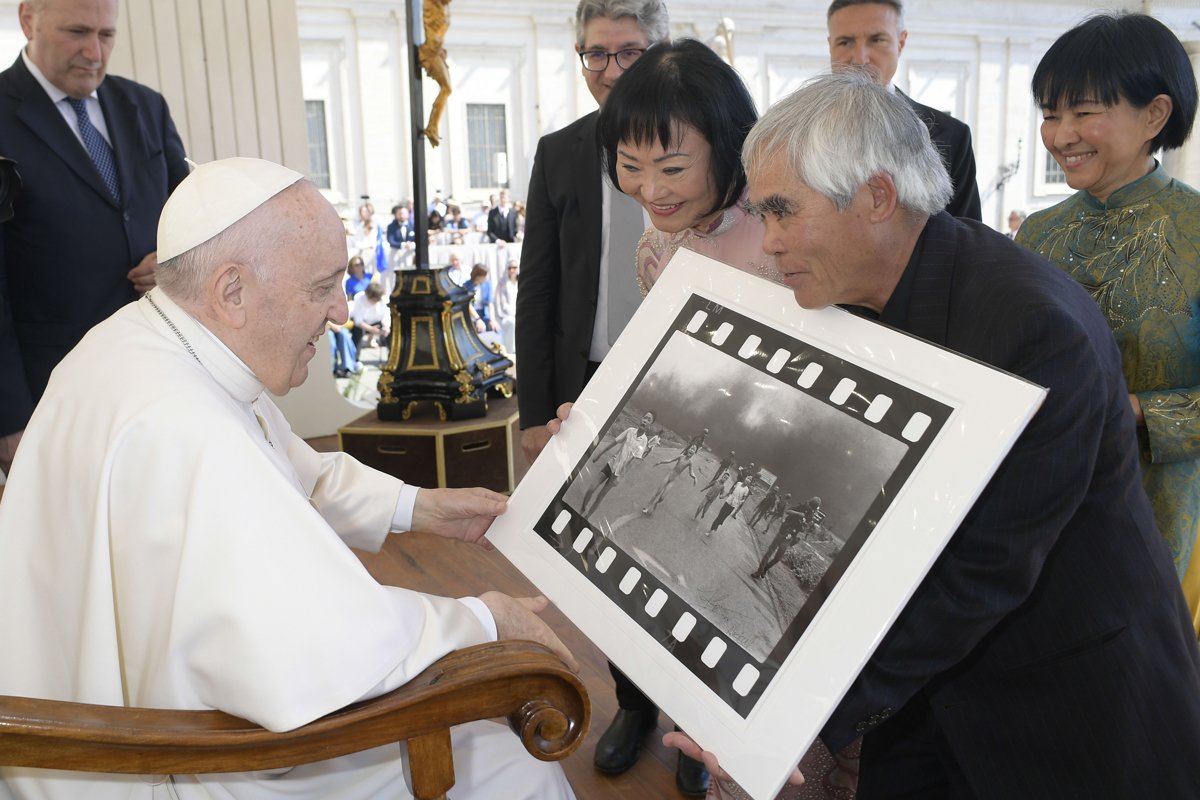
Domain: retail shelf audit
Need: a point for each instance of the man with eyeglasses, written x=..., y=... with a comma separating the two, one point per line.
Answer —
x=578, y=289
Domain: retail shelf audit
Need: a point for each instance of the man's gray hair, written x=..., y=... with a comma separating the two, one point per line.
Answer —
x=895, y=5
x=837, y=131
x=651, y=16
x=38, y=6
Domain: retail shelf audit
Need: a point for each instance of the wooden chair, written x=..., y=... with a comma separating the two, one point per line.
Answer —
x=545, y=703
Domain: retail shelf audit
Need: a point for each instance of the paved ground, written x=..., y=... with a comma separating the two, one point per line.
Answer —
x=362, y=387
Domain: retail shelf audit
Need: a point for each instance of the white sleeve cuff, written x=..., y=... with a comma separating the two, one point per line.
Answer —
x=480, y=610
x=405, y=503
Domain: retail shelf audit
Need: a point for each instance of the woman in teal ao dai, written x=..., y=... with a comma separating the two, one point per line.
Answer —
x=1113, y=91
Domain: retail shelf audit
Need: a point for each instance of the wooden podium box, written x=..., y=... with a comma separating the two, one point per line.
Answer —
x=425, y=451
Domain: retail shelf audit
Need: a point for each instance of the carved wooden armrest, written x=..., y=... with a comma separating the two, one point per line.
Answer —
x=545, y=703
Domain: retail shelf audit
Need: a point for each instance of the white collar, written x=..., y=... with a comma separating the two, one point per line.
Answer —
x=229, y=371
x=56, y=94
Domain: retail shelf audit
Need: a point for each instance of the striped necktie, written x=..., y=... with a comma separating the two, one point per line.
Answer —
x=100, y=151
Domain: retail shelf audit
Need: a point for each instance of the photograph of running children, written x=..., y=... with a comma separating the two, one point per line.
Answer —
x=731, y=487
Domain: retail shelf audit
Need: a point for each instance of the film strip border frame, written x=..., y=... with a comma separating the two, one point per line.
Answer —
x=727, y=669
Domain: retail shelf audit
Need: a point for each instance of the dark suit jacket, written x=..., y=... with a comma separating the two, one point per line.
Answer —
x=67, y=249
x=398, y=234
x=1050, y=645
x=560, y=270
x=953, y=140
x=502, y=225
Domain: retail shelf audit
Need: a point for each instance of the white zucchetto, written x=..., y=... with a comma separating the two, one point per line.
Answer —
x=215, y=196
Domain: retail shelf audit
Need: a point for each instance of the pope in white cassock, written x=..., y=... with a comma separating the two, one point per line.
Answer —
x=167, y=541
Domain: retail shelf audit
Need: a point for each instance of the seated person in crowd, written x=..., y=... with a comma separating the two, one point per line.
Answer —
x=520, y=207
x=479, y=222
x=343, y=350
x=402, y=237
x=210, y=563
x=483, y=299
x=369, y=236
x=357, y=278
x=457, y=221
x=457, y=272
x=506, y=306
x=371, y=317
x=437, y=204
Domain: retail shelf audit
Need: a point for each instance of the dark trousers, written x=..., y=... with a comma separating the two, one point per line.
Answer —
x=774, y=553
x=629, y=696
x=724, y=512
x=356, y=334
x=909, y=758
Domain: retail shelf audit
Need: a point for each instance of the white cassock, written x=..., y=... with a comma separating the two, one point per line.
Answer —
x=160, y=546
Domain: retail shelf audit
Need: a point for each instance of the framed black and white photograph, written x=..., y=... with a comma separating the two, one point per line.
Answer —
x=745, y=496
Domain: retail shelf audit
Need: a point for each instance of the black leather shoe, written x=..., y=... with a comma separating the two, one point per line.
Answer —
x=691, y=777
x=620, y=746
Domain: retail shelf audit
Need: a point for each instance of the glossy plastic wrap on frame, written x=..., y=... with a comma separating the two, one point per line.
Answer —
x=746, y=495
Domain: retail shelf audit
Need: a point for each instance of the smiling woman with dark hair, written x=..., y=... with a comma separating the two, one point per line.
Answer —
x=671, y=136
x=1113, y=91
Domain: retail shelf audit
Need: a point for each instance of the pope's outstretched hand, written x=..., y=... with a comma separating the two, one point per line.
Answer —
x=462, y=514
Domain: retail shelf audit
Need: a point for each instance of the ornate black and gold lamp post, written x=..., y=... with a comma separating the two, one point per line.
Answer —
x=436, y=354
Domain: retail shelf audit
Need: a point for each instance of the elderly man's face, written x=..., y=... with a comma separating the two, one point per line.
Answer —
x=868, y=36
x=825, y=255
x=300, y=292
x=70, y=41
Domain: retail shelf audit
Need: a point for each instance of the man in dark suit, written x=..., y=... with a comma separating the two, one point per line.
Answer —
x=566, y=253
x=98, y=156
x=402, y=238
x=578, y=289
x=871, y=34
x=1048, y=652
x=502, y=220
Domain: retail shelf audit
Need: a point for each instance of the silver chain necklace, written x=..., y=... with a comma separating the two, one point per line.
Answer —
x=175, y=330
x=187, y=346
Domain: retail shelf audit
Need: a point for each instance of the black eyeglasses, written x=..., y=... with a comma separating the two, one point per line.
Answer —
x=597, y=60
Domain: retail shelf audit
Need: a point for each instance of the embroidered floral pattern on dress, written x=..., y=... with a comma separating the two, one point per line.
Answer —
x=1138, y=254
x=1125, y=261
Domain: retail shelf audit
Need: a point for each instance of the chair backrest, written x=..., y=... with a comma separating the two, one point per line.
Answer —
x=546, y=705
